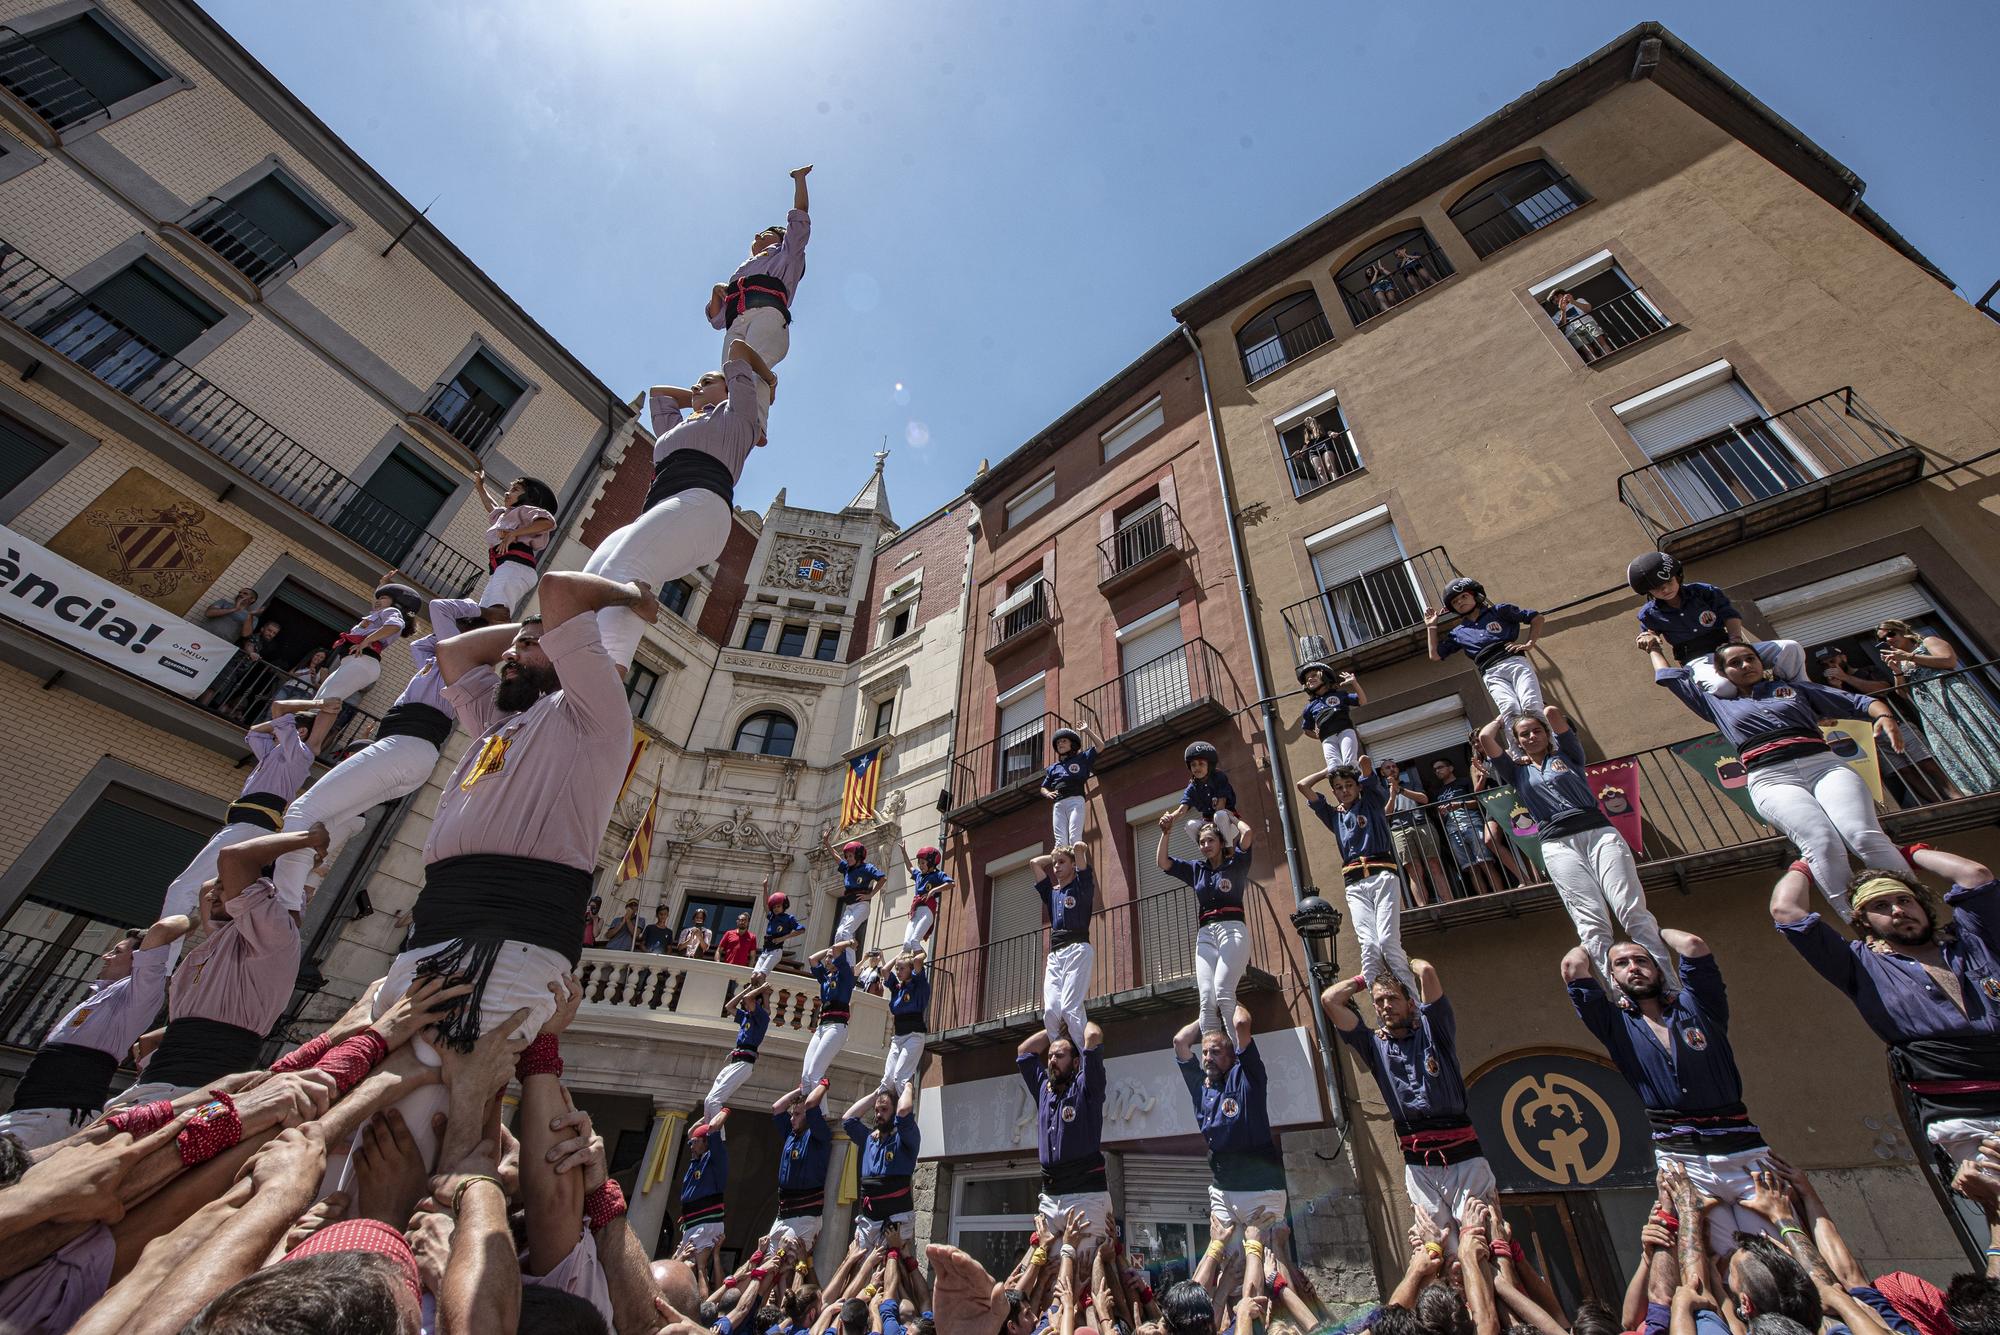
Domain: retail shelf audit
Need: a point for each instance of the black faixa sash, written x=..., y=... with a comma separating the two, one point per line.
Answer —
x=196, y=1052
x=1949, y=1077
x=66, y=1075
x=480, y=901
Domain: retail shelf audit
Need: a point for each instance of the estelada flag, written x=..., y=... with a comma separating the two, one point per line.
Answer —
x=857, y=796
x=1615, y=785
x=640, y=851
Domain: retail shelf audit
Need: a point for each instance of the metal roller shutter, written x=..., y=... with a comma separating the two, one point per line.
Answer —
x=1338, y=562
x=155, y=307
x=1858, y=615
x=1414, y=741
x=1156, y=677
x=281, y=214
x=116, y=864
x=1700, y=415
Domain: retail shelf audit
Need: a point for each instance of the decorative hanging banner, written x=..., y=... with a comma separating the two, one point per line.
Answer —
x=1715, y=760
x=1505, y=806
x=1853, y=740
x=1615, y=783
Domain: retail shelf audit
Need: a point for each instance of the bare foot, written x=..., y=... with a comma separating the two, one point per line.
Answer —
x=389, y=1172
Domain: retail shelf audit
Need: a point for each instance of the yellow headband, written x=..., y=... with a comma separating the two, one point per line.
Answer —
x=1877, y=887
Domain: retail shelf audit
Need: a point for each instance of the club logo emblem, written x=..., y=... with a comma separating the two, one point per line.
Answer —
x=1706, y=618
x=1229, y=1108
x=1431, y=1066
x=1069, y=901
x=1069, y=1112
x=1494, y=628
x=1991, y=987
x=1783, y=693
x=1696, y=1040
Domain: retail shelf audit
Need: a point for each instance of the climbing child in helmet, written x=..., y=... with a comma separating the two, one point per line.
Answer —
x=859, y=880
x=1063, y=782
x=779, y=925
x=927, y=883
x=1697, y=620
x=1208, y=799
x=1491, y=635
x=1330, y=698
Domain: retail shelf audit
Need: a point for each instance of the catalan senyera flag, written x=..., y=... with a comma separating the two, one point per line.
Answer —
x=640, y=852
x=632, y=765
x=857, y=797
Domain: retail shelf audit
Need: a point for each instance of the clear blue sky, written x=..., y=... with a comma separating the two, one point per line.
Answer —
x=1009, y=198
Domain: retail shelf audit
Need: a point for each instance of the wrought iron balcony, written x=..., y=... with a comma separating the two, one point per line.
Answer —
x=1375, y=618
x=1768, y=473
x=240, y=243
x=1323, y=462
x=1260, y=359
x=1628, y=318
x=470, y=419
x=43, y=83
x=1156, y=704
x=1386, y=284
x=1004, y=774
x=1019, y=620
x=1558, y=198
x=39, y=981
x=1143, y=542
x=64, y=319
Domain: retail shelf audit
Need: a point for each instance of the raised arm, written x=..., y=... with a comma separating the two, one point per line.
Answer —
x=1338, y=1002
x=460, y=654
x=1160, y=857
x=572, y=593
x=1428, y=981
x=1791, y=897
x=799, y=196
x=1489, y=740
x=238, y=865
x=485, y=496
x=1353, y=683
x=1431, y=616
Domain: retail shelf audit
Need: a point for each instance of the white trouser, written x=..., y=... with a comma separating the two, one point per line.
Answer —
x=767, y=960
x=1593, y=869
x=1241, y=1207
x=1786, y=658
x=1375, y=903
x=701, y=1238
x=1726, y=1177
x=1096, y=1207
x=681, y=534
x=906, y=1053
x=36, y=1127
x=148, y=1092
x=1065, y=983
x=727, y=1081
x=763, y=328
x=1343, y=748
x=383, y=771
x=1069, y=821
x=1440, y=1192
x=868, y=1232
x=579, y=1274
x=185, y=889
x=1221, y=953
x=821, y=1049
x=509, y=583
x=1225, y=823
x=1960, y=1137
x=1512, y=685
x=918, y=930
x=356, y=673
x=853, y=920
x=802, y=1229
x=1824, y=807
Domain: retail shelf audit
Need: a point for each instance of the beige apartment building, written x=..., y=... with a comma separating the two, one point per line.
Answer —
x=1777, y=388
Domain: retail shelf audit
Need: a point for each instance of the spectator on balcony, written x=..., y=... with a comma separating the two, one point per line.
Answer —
x=283, y=764
x=1698, y=620
x=626, y=932
x=803, y=1161
x=779, y=927
x=1497, y=843
x=1220, y=878
x=697, y=940
x=302, y=682
x=1572, y=315
x=927, y=884
x=755, y=305
x=1317, y=462
x=1229, y=1086
x=859, y=880
x=753, y=1021
x=1330, y=700
x=1796, y=781
x=1915, y=767
x=517, y=534
x=360, y=652
x=1382, y=285
x=70, y=1077
x=869, y=976
x=658, y=936
x=1209, y=798
x=1416, y=843
x=739, y=944
x=1492, y=636
x=909, y=999
x=1952, y=708
x=233, y=619
x=593, y=924
x=1413, y=269
x=888, y=1150
x=1068, y=890
x=1465, y=830
x=1067, y=1083
x=834, y=968
x=1374, y=890
x=242, y=686
x=1064, y=781
x=1413, y=1054
x=1922, y=975
x=1588, y=860
x=1672, y=1047
x=704, y=1186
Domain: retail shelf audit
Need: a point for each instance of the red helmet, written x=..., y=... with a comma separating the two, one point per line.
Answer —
x=778, y=902
x=854, y=846
x=929, y=854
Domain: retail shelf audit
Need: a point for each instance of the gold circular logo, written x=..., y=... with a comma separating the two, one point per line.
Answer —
x=1562, y=1119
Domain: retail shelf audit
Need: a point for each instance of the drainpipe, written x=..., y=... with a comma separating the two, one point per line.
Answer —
x=1268, y=712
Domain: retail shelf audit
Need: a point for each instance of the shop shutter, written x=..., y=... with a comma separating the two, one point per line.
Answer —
x=1700, y=415
x=1168, y=1187
x=160, y=310
x=281, y=214
x=116, y=864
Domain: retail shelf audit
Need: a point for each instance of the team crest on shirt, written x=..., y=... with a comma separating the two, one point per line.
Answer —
x=491, y=760
x=1990, y=986
x=1069, y=1112
x=1069, y=901
x=426, y=669
x=1695, y=1038
x=1783, y=693
x=1706, y=618
x=1431, y=1066
x=1558, y=766
x=81, y=1017
x=1074, y=767
x=1229, y=1108
x=1222, y=885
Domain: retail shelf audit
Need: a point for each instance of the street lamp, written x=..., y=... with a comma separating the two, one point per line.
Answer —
x=1318, y=925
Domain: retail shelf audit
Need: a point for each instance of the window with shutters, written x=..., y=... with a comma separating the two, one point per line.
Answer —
x=1150, y=417
x=1504, y=208
x=1152, y=666
x=1414, y=738
x=1034, y=498
x=107, y=875
x=78, y=70
x=1713, y=446
x=396, y=505
x=475, y=404
x=1281, y=333
x=1023, y=721
x=264, y=228
x=1014, y=943
x=1166, y=909
x=22, y=451
x=130, y=325
x=1366, y=590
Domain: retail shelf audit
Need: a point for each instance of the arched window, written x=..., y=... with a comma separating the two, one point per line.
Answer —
x=1520, y=200
x=1390, y=272
x=1285, y=330
x=768, y=733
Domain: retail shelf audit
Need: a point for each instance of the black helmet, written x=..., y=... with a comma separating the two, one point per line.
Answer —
x=407, y=600
x=1650, y=571
x=1464, y=585
x=1075, y=742
x=1199, y=751
x=1319, y=664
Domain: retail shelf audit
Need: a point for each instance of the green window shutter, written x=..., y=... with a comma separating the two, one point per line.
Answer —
x=281, y=214
x=21, y=452
x=394, y=506
x=481, y=374
x=96, y=59
x=116, y=863
x=154, y=306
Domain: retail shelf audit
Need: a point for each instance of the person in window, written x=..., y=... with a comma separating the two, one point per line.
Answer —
x=1316, y=463
x=517, y=533
x=627, y=932
x=1915, y=767
x=1697, y=620
x=233, y=620
x=739, y=944
x=1416, y=843
x=697, y=939
x=755, y=305
x=237, y=691
x=593, y=922
x=1220, y=878
x=1795, y=781
x=1952, y=708
x=1497, y=843
x=1064, y=781
x=1412, y=269
x=1572, y=315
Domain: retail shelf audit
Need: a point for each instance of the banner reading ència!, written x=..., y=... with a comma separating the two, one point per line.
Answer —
x=1615, y=784
x=94, y=616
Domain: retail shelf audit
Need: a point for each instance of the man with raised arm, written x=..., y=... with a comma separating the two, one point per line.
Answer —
x=1925, y=976
x=802, y=1166
x=1673, y=1049
x=1068, y=890
x=1228, y=1085
x=1413, y=1054
x=515, y=836
x=1067, y=1084
x=888, y=1150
